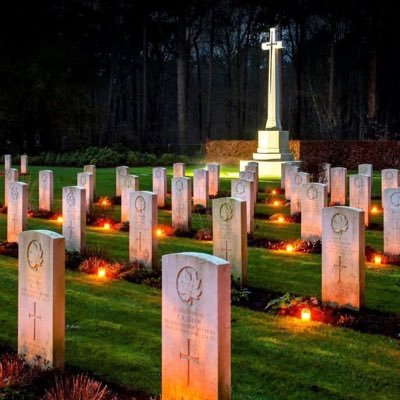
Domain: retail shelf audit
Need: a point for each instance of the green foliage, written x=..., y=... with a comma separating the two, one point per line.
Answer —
x=284, y=301
x=239, y=295
x=105, y=157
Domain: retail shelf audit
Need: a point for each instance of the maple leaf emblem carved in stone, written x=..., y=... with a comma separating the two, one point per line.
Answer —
x=188, y=285
x=340, y=223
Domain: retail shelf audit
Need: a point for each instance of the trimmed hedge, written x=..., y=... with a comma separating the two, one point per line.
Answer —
x=104, y=157
x=381, y=154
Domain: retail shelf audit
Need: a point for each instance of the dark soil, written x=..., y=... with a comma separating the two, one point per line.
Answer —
x=9, y=249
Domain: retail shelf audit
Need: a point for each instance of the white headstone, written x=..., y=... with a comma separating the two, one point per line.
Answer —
x=128, y=183
x=24, y=164
x=200, y=187
x=290, y=170
x=120, y=173
x=360, y=194
x=143, y=219
x=243, y=190
x=338, y=186
x=178, y=170
x=325, y=175
x=283, y=172
x=196, y=327
x=74, y=217
x=46, y=190
x=391, y=221
x=85, y=181
x=160, y=185
x=7, y=162
x=17, y=212
x=253, y=166
x=10, y=175
x=213, y=178
x=230, y=235
x=41, y=298
x=297, y=180
x=250, y=176
x=343, y=259
x=91, y=169
x=365, y=169
x=314, y=197
x=390, y=179
x=181, y=201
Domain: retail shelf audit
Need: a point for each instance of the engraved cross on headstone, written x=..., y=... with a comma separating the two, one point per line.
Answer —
x=340, y=266
x=180, y=209
x=139, y=239
x=396, y=229
x=189, y=358
x=35, y=317
x=226, y=250
x=70, y=227
x=15, y=220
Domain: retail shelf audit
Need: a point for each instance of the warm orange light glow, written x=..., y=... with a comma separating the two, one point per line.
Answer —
x=159, y=232
x=106, y=226
x=274, y=191
x=281, y=220
x=60, y=219
x=289, y=248
x=305, y=314
x=374, y=210
x=101, y=272
x=276, y=203
x=378, y=259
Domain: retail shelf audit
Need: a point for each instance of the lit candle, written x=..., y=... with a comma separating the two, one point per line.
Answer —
x=289, y=248
x=276, y=203
x=305, y=314
x=60, y=219
x=281, y=220
x=378, y=259
x=101, y=272
x=107, y=225
x=374, y=210
x=274, y=191
x=159, y=232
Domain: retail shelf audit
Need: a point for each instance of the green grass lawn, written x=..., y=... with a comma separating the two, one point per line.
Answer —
x=113, y=327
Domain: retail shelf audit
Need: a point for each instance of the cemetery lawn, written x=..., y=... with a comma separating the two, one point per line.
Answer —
x=114, y=327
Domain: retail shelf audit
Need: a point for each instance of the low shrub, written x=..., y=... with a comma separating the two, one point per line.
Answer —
x=14, y=371
x=78, y=387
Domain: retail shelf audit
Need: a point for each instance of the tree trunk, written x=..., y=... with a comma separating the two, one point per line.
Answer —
x=181, y=66
x=372, y=90
x=144, y=130
x=210, y=76
x=331, y=110
x=199, y=92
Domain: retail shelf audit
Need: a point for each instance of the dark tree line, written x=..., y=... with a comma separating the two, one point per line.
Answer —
x=163, y=75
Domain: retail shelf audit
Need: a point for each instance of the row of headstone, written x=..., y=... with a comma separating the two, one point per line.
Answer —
x=24, y=163
x=196, y=315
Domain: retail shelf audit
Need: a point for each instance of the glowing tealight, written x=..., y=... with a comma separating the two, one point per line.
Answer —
x=104, y=202
x=276, y=203
x=289, y=248
x=305, y=314
x=274, y=191
x=281, y=220
x=159, y=232
x=107, y=226
x=378, y=260
x=101, y=272
x=374, y=210
x=60, y=220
